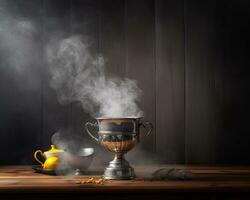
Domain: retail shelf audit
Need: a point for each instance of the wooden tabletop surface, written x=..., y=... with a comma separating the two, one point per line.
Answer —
x=205, y=179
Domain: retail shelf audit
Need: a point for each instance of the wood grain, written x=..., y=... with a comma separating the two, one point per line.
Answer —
x=190, y=58
x=170, y=87
x=85, y=21
x=20, y=80
x=140, y=62
x=232, y=87
x=112, y=37
x=206, y=179
x=200, y=104
x=56, y=23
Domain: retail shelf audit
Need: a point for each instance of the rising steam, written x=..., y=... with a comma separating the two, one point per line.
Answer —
x=18, y=39
x=20, y=49
x=78, y=76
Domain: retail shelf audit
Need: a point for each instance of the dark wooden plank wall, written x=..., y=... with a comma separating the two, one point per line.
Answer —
x=183, y=55
x=85, y=19
x=170, y=87
x=56, y=21
x=140, y=58
x=232, y=81
x=21, y=97
x=200, y=81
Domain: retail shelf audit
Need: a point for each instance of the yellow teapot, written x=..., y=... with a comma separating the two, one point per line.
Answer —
x=52, y=157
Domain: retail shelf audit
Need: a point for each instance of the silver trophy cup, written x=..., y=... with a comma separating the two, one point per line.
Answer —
x=118, y=135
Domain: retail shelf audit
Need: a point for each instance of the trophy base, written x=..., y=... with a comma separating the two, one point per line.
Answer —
x=119, y=169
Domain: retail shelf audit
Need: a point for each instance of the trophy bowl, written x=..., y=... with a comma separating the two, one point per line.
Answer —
x=118, y=135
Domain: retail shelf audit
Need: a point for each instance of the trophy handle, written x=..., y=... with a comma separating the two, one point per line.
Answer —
x=91, y=124
x=147, y=124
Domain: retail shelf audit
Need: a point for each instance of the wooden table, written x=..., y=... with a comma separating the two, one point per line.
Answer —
x=209, y=182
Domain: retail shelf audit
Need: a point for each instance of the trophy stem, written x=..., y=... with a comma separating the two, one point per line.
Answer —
x=119, y=157
x=119, y=168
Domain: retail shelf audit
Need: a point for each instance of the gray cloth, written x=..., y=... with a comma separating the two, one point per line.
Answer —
x=171, y=174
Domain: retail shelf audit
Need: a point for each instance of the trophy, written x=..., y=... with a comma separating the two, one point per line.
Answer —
x=118, y=135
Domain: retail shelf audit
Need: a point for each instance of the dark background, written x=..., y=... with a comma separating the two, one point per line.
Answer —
x=190, y=58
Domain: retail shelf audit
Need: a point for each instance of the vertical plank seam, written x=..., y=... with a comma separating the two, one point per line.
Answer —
x=42, y=79
x=154, y=45
x=99, y=27
x=68, y=107
x=214, y=96
x=126, y=37
x=185, y=80
x=71, y=103
x=156, y=77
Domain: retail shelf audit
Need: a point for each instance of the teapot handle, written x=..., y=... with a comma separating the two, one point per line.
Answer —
x=35, y=156
x=147, y=124
x=90, y=134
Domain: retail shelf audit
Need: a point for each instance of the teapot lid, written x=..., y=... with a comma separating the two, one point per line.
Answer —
x=54, y=149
